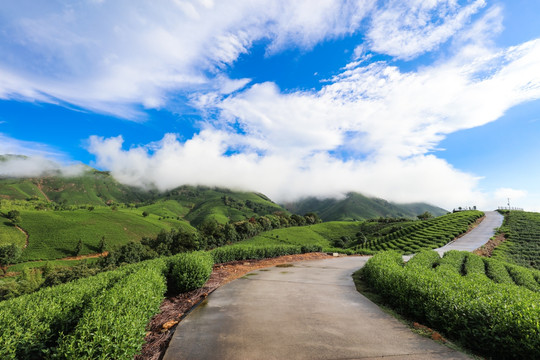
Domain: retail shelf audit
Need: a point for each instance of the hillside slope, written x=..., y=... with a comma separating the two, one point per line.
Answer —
x=358, y=207
x=98, y=188
x=92, y=187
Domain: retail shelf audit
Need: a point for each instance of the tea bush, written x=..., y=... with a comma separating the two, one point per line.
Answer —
x=189, y=271
x=496, y=319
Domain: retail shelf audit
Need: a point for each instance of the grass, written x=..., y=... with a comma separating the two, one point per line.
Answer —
x=318, y=234
x=36, y=264
x=166, y=208
x=54, y=234
x=9, y=234
x=289, y=236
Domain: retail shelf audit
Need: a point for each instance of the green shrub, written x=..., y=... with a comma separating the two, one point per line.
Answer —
x=113, y=325
x=31, y=323
x=473, y=265
x=246, y=252
x=426, y=258
x=496, y=271
x=498, y=320
x=310, y=248
x=189, y=271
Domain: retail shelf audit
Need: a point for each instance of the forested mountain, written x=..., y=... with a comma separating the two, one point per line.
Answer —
x=357, y=207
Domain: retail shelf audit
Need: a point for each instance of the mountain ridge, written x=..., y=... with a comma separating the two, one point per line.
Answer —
x=356, y=206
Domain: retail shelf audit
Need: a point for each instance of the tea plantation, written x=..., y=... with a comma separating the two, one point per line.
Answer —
x=55, y=234
x=105, y=316
x=522, y=246
x=490, y=306
x=368, y=237
x=409, y=237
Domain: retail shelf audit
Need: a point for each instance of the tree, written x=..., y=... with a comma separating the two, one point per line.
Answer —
x=14, y=216
x=79, y=247
x=426, y=215
x=102, y=245
x=8, y=255
x=312, y=218
x=145, y=214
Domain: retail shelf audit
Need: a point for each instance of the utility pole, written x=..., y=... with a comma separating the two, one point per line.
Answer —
x=508, y=203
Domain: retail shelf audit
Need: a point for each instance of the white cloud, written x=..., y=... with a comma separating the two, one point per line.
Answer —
x=388, y=119
x=37, y=159
x=379, y=109
x=9, y=145
x=37, y=166
x=110, y=56
x=506, y=193
x=202, y=161
x=406, y=29
x=115, y=56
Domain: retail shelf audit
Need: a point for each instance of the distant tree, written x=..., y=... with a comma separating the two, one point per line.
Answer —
x=145, y=214
x=361, y=238
x=426, y=215
x=90, y=208
x=14, y=216
x=8, y=255
x=78, y=249
x=312, y=218
x=102, y=245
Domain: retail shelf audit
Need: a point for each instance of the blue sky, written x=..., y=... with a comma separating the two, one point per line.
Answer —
x=434, y=101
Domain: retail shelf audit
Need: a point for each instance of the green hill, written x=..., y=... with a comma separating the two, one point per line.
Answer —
x=93, y=187
x=57, y=211
x=55, y=234
x=359, y=207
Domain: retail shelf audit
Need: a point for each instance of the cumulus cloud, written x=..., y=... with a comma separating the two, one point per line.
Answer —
x=379, y=109
x=387, y=121
x=202, y=160
x=112, y=56
x=372, y=128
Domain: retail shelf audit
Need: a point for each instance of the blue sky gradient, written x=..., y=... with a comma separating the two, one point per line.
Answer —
x=406, y=100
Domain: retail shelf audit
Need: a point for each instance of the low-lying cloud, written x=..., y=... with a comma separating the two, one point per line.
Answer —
x=202, y=160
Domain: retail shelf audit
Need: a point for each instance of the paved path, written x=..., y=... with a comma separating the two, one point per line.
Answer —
x=309, y=311
x=478, y=236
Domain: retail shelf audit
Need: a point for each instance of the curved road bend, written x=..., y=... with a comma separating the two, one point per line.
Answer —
x=309, y=311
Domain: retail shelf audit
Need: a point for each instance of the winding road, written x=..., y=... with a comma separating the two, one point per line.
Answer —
x=310, y=310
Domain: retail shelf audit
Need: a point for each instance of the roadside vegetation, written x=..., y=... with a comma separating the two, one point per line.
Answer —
x=489, y=306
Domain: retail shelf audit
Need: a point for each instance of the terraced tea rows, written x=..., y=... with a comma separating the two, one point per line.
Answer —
x=490, y=306
x=523, y=244
x=412, y=236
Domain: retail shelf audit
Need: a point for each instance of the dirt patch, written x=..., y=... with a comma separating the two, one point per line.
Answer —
x=486, y=250
x=174, y=309
x=424, y=330
x=89, y=256
x=40, y=188
x=25, y=234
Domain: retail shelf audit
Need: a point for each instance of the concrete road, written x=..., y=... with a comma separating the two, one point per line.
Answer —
x=478, y=236
x=309, y=311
